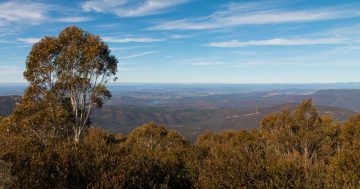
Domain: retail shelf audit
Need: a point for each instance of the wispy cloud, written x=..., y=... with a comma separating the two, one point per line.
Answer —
x=29, y=40
x=348, y=31
x=74, y=19
x=14, y=11
x=130, y=39
x=139, y=55
x=131, y=8
x=278, y=42
x=255, y=14
x=130, y=48
x=180, y=36
x=19, y=12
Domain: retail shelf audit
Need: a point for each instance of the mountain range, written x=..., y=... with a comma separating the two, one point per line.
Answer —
x=194, y=111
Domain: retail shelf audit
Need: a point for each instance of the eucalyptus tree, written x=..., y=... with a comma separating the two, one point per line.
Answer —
x=74, y=67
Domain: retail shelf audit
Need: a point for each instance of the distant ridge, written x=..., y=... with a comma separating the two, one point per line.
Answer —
x=8, y=103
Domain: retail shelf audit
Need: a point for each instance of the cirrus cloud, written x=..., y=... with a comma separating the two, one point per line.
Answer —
x=254, y=14
x=278, y=42
x=29, y=40
x=13, y=11
x=131, y=8
x=130, y=39
x=18, y=12
x=139, y=55
x=74, y=19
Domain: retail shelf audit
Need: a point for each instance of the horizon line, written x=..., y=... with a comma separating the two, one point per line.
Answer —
x=217, y=83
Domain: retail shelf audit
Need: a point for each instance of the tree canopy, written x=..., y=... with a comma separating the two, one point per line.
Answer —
x=67, y=76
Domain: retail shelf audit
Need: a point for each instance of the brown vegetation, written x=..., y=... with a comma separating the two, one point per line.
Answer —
x=298, y=149
x=292, y=149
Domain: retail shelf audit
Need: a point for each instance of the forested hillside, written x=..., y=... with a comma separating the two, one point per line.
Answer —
x=49, y=140
x=127, y=110
x=8, y=103
x=293, y=149
x=193, y=122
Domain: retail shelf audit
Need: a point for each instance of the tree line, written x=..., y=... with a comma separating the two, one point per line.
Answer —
x=292, y=149
x=47, y=142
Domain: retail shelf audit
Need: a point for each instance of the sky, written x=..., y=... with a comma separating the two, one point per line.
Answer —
x=198, y=41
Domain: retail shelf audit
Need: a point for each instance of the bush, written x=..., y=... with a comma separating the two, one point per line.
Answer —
x=298, y=149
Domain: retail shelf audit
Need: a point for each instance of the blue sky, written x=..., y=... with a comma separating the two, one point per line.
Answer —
x=198, y=41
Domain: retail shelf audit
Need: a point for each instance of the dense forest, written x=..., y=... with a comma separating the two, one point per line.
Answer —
x=48, y=141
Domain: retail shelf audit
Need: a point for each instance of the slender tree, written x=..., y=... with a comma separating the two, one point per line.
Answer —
x=75, y=66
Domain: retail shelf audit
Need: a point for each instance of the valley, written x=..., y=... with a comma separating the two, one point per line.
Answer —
x=195, y=109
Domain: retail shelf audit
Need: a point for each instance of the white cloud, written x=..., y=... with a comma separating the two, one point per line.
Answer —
x=19, y=12
x=102, y=5
x=29, y=40
x=73, y=19
x=139, y=55
x=131, y=8
x=130, y=39
x=278, y=42
x=129, y=48
x=254, y=14
x=178, y=36
x=14, y=11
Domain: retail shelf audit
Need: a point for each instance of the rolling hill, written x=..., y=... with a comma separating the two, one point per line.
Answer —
x=8, y=103
x=192, y=122
x=193, y=114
